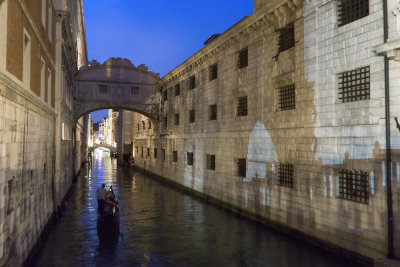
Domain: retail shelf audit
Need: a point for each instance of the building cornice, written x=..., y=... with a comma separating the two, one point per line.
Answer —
x=248, y=27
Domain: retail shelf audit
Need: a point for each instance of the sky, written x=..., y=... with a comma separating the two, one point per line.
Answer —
x=160, y=35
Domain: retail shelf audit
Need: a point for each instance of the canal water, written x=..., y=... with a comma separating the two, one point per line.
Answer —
x=161, y=226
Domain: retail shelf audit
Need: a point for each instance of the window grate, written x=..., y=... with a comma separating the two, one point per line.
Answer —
x=241, y=167
x=174, y=156
x=212, y=112
x=103, y=89
x=192, y=82
x=242, y=106
x=177, y=119
x=210, y=162
x=286, y=37
x=213, y=72
x=285, y=174
x=177, y=89
x=354, y=85
x=134, y=90
x=191, y=115
x=354, y=185
x=352, y=10
x=243, y=58
x=287, y=98
x=190, y=158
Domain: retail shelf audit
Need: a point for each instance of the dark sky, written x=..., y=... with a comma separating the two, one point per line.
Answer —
x=160, y=34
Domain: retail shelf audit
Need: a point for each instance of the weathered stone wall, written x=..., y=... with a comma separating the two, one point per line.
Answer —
x=319, y=137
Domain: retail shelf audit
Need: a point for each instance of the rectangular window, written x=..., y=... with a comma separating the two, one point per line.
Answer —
x=148, y=152
x=138, y=127
x=354, y=85
x=354, y=185
x=135, y=90
x=42, y=79
x=155, y=153
x=26, y=68
x=142, y=153
x=143, y=125
x=165, y=95
x=49, y=89
x=190, y=158
x=137, y=150
x=212, y=112
x=149, y=124
x=50, y=22
x=241, y=167
x=213, y=72
x=191, y=116
x=243, y=58
x=286, y=37
x=352, y=10
x=174, y=156
x=210, y=162
x=177, y=119
x=287, y=97
x=285, y=174
x=165, y=122
x=242, y=106
x=163, y=154
x=192, y=82
x=62, y=131
x=102, y=89
x=177, y=89
x=44, y=7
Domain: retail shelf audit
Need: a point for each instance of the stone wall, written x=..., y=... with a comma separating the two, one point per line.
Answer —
x=317, y=138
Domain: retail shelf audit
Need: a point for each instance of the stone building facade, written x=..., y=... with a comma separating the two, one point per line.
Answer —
x=282, y=117
x=30, y=74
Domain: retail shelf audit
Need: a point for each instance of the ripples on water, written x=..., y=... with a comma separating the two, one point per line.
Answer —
x=160, y=226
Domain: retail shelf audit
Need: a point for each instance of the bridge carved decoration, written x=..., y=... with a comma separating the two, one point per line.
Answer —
x=116, y=84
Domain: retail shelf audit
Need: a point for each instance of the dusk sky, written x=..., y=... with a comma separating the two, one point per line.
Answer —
x=160, y=34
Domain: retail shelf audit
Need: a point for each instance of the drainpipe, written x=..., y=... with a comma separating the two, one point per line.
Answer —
x=388, y=146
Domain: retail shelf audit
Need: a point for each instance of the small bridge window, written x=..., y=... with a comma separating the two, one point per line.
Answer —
x=102, y=89
x=134, y=90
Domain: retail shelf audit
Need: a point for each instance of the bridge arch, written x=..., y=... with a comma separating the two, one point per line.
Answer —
x=109, y=147
x=117, y=84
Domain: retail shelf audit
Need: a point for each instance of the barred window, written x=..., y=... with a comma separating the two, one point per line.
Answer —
x=177, y=89
x=354, y=85
x=242, y=106
x=143, y=125
x=241, y=167
x=213, y=70
x=165, y=122
x=210, y=162
x=352, y=10
x=163, y=154
x=243, y=58
x=286, y=37
x=155, y=153
x=142, y=153
x=148, y=152
x=190, y=158
x=191, y=115
x=102, y=89
x=149, y=124
x=354, y=185
x=212, y=113
x=287, y=97
x=174, y=156
x=177, y=119
x=165, y=95
x=285, y=174
x=134, y=90
x=192, y=82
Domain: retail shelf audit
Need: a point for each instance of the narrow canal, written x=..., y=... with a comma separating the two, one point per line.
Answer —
x=161, y=226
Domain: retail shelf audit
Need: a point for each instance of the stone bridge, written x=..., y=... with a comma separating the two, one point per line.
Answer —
x=117, y=84
x=111, y=148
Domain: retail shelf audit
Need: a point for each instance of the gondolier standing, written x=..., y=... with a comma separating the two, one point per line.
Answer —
x=101, y=196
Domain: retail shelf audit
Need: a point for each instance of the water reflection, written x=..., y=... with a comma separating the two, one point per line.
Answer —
x=160, y=226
